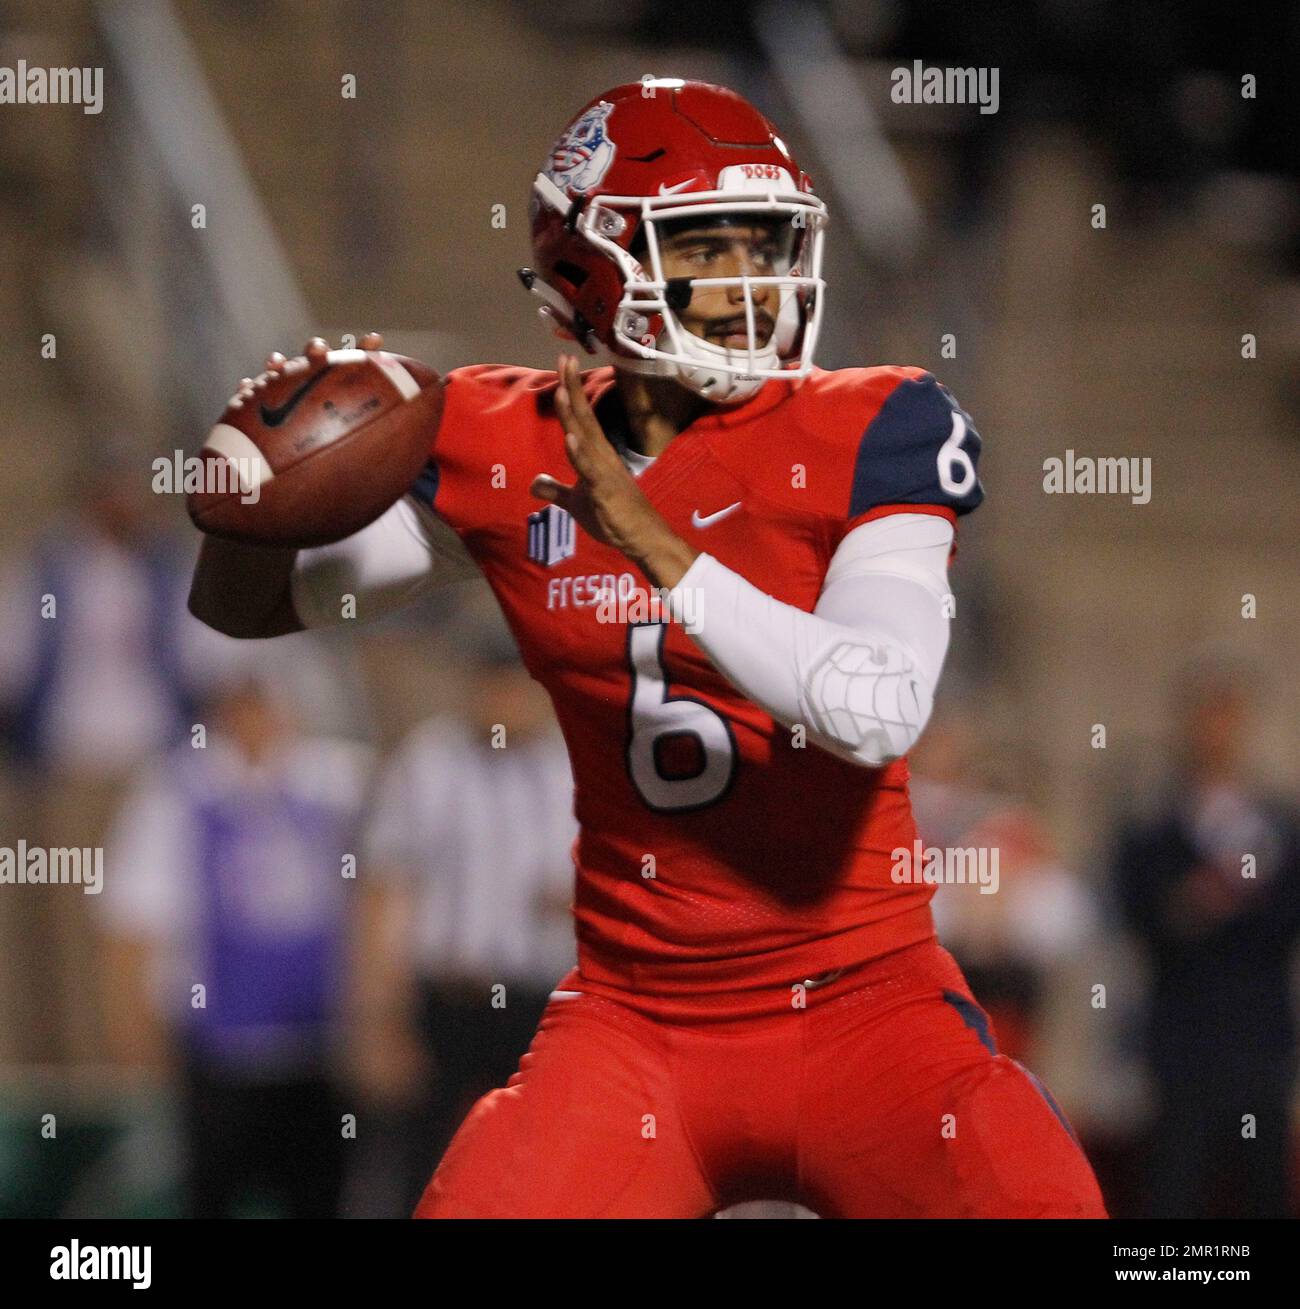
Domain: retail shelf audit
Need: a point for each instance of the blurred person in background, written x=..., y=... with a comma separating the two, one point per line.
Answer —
x=464, y=923
x=225, y=903
x=1011, y=940
x=98, y=669
x=1210, y=884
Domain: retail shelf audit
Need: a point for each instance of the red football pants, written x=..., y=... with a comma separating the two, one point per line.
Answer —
x=885, y=1099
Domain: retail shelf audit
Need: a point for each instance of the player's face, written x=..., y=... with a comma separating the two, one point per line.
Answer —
x=729, y=249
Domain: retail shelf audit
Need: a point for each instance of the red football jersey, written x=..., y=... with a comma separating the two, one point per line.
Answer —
x=717, y=851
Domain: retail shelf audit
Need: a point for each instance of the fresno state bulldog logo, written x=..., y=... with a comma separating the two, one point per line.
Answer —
x=582, y=156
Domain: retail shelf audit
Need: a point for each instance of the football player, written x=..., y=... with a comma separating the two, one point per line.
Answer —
x=742, y=637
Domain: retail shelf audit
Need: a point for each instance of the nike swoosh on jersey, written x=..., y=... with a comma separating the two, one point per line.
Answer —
x=699, y=520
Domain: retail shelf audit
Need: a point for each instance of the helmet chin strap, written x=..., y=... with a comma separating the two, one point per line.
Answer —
x=705, y=379
x=713, y=384
x=720, y=385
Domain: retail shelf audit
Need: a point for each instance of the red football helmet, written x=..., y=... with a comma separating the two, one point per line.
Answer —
x=654, y=152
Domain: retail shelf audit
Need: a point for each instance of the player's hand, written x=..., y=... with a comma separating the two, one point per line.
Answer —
x=606, y=500
x=315, y=350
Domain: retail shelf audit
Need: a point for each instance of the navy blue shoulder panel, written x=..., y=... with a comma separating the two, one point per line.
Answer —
x=902, y=457
x=425, y=489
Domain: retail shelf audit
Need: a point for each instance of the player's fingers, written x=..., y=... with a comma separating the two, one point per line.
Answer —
x=275, y=362
x=564, y=405
x=316, y=349
x=572, y=403
x=372, y=341
x=585, y=457
x=545, y=487
x=591, y=455
x=574, y=437
x=577, y=402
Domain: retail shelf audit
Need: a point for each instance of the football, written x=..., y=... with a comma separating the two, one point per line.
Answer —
x=317, y=448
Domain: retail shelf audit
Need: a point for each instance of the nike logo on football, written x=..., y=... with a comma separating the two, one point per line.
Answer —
x=274, y=417
x=699, y=520
x=677, y=186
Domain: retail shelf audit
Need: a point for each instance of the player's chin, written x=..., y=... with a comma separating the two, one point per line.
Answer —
x=738, y=340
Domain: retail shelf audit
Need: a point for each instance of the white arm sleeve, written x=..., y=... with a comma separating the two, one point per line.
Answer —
x=407, y=549
x=860, y=671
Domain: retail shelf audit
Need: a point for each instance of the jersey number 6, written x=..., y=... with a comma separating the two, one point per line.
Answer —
x=655, y=718
x=952, y=456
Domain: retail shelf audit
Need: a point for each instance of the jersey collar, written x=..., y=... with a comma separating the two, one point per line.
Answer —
x=600, y=381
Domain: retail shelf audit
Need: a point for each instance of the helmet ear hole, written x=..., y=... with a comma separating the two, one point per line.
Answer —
x=572, y=273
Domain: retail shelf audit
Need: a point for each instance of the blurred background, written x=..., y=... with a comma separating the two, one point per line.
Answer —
x=1120, y=704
